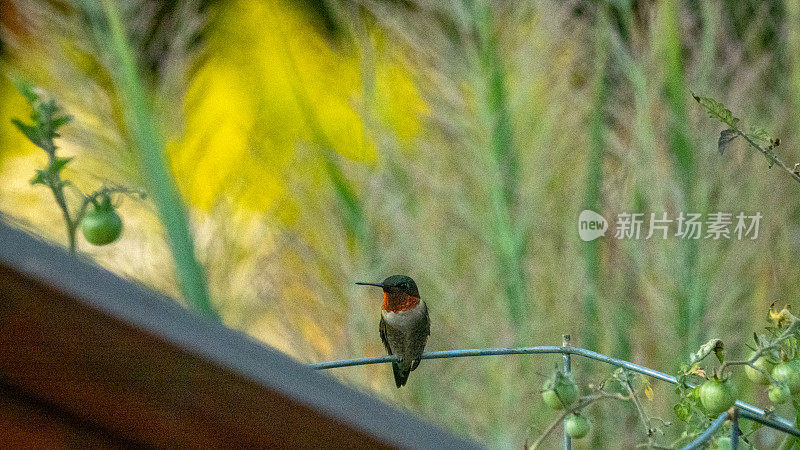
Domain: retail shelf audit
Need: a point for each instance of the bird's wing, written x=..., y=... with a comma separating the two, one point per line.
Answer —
x=400, y=375
x=383, y=336
x=427, y=320
x=419, y=344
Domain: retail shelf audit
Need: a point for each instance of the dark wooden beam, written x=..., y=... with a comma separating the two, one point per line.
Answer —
x=87, y=357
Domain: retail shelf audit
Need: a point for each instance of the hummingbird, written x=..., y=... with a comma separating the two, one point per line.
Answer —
x=405, y=325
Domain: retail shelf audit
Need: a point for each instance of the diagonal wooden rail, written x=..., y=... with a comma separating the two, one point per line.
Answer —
x=745, y=410
x=88, y=359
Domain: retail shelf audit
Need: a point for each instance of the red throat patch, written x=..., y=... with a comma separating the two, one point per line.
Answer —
x=399, y=302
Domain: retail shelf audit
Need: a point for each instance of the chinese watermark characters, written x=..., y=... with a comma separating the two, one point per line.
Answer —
x=639, y=226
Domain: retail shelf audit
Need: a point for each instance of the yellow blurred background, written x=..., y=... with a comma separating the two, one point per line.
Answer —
x=321, y=143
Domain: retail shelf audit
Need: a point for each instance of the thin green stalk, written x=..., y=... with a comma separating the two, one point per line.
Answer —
x=147, y=138
x=500, y=162
x=594, y=180
x=691, y=302
x=352, y=206
x=648, y=192
x=503, y=167
x=707, y=46
x=56, y=185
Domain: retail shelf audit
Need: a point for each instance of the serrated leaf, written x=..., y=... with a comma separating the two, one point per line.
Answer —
x=30, y=131
x=39, y=177
x=48, y=109
x=59, y=163
x=47, y=112
x=683, y=412
x=60, y=121
x=717, y=110
x=25, y=88
x=759, y=134
x=725, y=138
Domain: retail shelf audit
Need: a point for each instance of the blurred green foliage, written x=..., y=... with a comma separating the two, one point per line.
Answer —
x=455, y=142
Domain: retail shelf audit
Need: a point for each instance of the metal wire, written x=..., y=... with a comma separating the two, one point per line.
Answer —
x=735, y=430
x=746, y=410
x=709, y=433
x=770, y=423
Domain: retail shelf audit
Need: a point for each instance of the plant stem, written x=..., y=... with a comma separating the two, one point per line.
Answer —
x=146, y=136
x=58, y=193
x=691, y=302
x=502, y=167
x=594, y=181
x=786, y=334
x=642, y=414
x=56, y=185
x=582, y=403
x=769, y=155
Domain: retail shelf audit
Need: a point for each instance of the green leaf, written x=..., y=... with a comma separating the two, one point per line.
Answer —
x=758, y=134
x=39, y=177
x=714, y=345
x=25, y=88
x=32, y=132
x=60, y=121
x=47, y=112
x=683, y=412
x=59, y=163
x=717, y=110
x=725, y=138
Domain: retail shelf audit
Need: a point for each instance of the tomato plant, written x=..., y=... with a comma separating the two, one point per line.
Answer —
x=96, y=216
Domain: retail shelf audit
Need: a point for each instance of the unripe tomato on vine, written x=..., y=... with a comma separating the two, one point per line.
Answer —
x=101, y=225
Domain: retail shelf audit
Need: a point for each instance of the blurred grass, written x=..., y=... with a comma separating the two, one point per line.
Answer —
x=501, y=164
x=454, y=142
x=691, y=306
x=146, y=137
x=594, y=178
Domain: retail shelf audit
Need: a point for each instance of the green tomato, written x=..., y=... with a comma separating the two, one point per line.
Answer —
x=559, y=391
x=779, y=393
x=788, y=373
x=717, y=396
x=101, y=225
x=576, y=425
x=757, y=376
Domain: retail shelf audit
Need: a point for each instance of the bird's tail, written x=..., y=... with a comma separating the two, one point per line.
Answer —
x=400, y=374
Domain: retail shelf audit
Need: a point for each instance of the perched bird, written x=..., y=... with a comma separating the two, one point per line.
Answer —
x=405, y=325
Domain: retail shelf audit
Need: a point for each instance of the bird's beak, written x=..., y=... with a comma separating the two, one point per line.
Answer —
x=380, y=285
